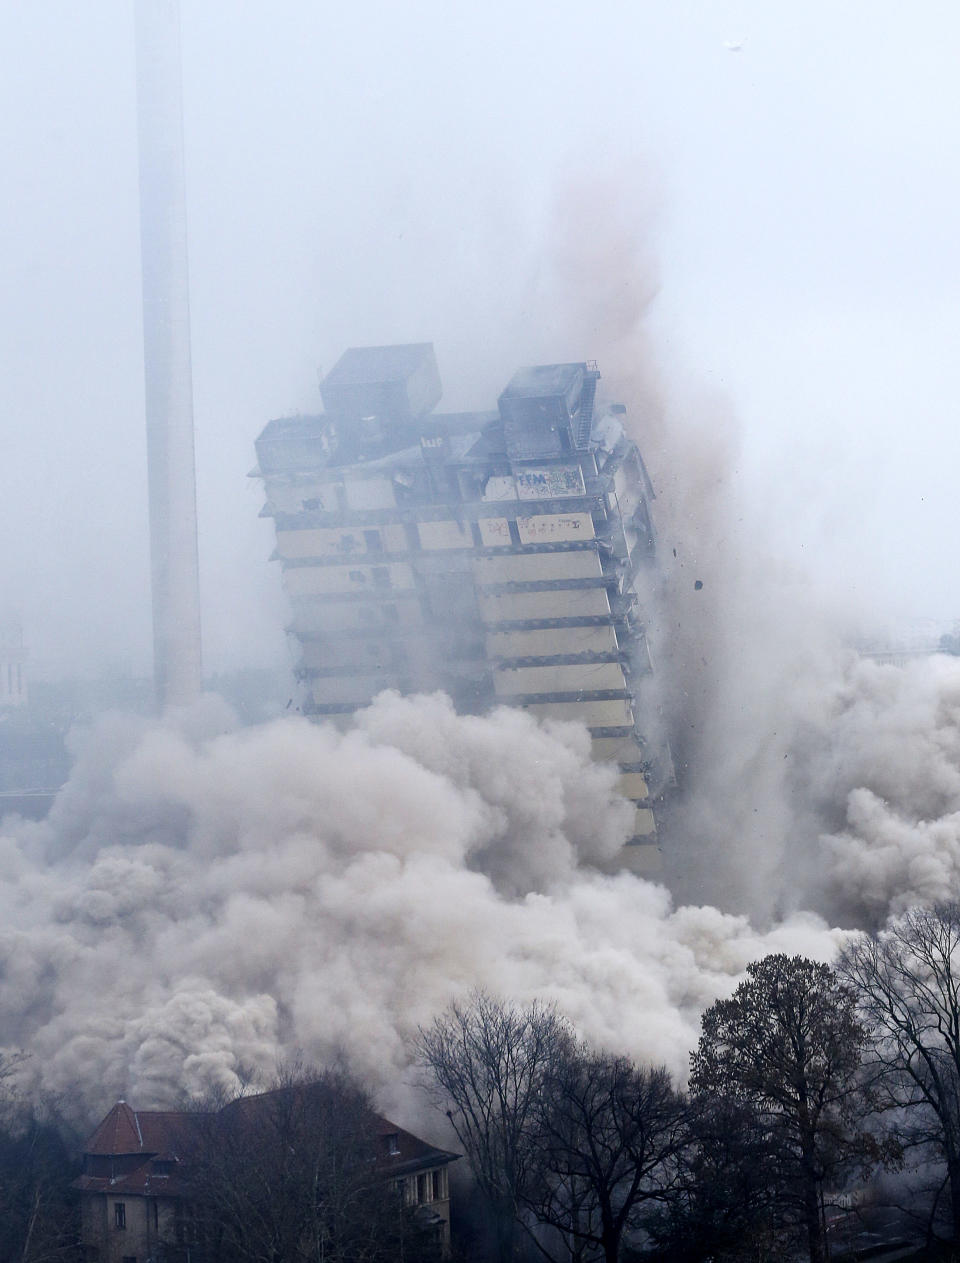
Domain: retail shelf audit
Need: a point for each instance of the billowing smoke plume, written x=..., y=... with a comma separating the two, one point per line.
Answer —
x=202, y=901
x=890, y=754
x=806, y=777
x=733, y=638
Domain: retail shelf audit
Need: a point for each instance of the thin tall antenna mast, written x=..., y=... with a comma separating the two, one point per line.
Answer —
x=168, y=373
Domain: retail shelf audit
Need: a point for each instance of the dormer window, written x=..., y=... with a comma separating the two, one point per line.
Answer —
x=392, y=1141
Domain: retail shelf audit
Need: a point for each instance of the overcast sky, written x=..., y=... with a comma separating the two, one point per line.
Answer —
x=370, y=173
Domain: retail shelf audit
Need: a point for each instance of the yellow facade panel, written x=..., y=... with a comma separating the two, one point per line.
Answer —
x=644, y=824
x=550, y=482
x=616, y=750
x=370, y=493
x=645, y=859
x=550, y=528
x=357, y=654
x=297, y=496
x=632, y=785
x=537, y=567
x=338, y=580
x=547, y=641
x=495, y=532
x=338, y=616
x=338, y=690
x=610, y=714
x=394, y=538
x=570, y=603
x=445, y=535
x=500, y=487
x=321, y=542
x=585, y=676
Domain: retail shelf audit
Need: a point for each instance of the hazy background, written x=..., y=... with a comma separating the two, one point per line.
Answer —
x=376, y=172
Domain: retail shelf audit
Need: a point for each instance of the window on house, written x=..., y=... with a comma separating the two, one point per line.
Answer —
x=392, y=1140
x=373, y=541
x=120, y=1214
x=437, y=1189
x=422, y=1195
x=381, y=577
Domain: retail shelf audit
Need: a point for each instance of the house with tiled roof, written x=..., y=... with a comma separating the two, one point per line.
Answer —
x=419, y=1172
x=135, y=1185
x=132, y=1186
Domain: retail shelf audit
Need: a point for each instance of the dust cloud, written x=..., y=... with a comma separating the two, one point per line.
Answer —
x=203, y=900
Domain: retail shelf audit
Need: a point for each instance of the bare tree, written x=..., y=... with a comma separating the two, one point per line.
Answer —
x=907, y=979
x=291, y=1176
x=38, y=1215
x=789, y=1044
x=490, y=1062
x=724, y=1204
x=608, y=1135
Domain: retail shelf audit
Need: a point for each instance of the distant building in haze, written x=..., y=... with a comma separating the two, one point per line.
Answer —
x=495, y=555
x=903, y=641
x=13, y=663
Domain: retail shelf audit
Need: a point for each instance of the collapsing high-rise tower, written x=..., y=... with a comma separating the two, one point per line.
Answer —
x=495, y=555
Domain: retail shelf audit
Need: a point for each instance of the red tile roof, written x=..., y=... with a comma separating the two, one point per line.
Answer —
x=118, y=1133
x=161, y=1136
x=126, y=1131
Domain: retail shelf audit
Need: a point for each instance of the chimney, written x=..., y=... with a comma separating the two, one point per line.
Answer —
x=166, y=353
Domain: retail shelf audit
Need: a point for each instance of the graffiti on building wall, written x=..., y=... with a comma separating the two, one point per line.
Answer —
x=549, y=482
